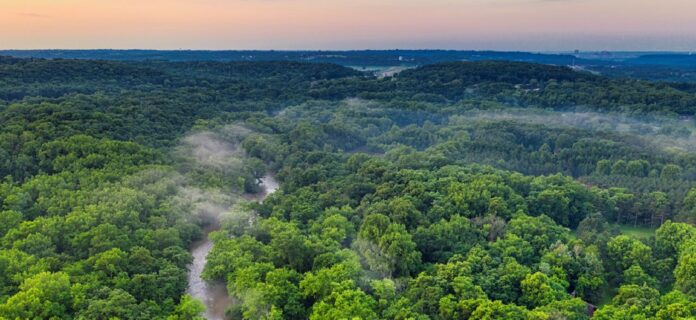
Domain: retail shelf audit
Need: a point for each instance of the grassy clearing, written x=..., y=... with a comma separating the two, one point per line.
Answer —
x=639, y=232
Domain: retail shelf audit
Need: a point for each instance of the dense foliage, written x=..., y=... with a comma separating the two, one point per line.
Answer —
x=387, y=231
x=441, y=193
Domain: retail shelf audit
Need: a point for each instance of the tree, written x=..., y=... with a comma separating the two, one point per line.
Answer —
x=675, y=305
x=594, y=230
x=571, y=309
x=637, y=168
x=387, y=247
x=631, y=302
x=110, y=262
x=188, y=309
x=603, y=167
x=624, y=252
x=347, y=304
x=402, y=210
x=498, y=310
x=688, y=211
x=464, y=288
x=9, y=220
x=320, y=284
x=671, y=172
x=553, y=203
x=43, y=296
x=659, y=206
x=619, y=168
x=685, y=273
x=503, y=283
x=424, y=293
x=636, y=275
x=474, y=198
x=112, y=304
x=670, y=237
x=538, y=290
x=288, y=244
x=280, y=289
x=541, y=232
x=624, y=202
x=439, y=241
x=512, y=246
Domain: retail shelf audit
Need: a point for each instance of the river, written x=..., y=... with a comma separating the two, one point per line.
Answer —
x=214, y=295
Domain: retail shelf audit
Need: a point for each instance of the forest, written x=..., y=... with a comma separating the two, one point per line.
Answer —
x=454, y=190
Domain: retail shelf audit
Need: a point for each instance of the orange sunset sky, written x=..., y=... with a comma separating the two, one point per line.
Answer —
x=543, y=25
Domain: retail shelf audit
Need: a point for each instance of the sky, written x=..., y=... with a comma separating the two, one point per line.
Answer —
x=531, y=25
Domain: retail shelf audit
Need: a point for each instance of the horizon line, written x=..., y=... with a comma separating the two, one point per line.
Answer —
x=354, y=50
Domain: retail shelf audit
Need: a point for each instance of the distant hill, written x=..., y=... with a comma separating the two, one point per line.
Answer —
x=346, y=58
x=652, y=66
x=492, y=71
x=674, y=60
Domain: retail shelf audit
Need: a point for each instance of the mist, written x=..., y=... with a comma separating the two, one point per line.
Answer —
x=212, y=166
x=668, y=133
x=218, y=149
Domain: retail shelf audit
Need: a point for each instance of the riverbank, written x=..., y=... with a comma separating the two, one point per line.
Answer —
x=214, y=295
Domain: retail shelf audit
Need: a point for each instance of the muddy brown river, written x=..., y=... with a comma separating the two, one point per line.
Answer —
x=214, y=295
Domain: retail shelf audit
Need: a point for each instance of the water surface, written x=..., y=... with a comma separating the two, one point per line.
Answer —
x=214, y=295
